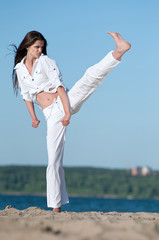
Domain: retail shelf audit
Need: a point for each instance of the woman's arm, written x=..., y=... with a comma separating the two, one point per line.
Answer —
x=65, y=102
x=30, y=106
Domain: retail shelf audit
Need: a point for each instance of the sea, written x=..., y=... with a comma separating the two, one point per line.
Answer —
x=83, y=204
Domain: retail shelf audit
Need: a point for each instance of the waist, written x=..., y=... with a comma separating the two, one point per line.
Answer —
x=55, y=109
x=45, y=99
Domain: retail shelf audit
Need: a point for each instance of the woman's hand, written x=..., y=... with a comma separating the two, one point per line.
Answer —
x=66, y=119
x=35, y=123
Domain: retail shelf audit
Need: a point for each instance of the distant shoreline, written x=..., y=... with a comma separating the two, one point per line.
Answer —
x=70, y=195
x=81, y=182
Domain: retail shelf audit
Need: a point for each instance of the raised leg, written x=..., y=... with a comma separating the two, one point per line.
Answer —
x=95, y=75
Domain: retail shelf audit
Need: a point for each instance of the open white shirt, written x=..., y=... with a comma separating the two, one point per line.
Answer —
x=45, y=75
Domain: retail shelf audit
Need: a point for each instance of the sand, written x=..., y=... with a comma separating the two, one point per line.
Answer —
x=38, y=224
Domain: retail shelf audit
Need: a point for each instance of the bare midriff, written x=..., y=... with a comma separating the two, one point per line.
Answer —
x=45, y=99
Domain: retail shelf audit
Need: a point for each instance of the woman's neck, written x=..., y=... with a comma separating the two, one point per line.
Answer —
x=29, y=60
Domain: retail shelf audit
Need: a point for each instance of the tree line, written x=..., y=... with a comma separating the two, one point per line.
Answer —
x=81, y=181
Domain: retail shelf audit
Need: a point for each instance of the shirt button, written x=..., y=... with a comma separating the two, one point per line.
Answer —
x=32, y=79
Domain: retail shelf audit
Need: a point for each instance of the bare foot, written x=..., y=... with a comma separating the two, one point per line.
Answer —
x=57, y=209
x=121, y=45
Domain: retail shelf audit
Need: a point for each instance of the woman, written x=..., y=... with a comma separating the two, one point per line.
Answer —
x=39, y=79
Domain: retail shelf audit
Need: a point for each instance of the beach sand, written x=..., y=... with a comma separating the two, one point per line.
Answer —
x=38, y=224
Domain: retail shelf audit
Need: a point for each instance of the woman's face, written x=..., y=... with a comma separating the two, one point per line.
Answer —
x=35, y=50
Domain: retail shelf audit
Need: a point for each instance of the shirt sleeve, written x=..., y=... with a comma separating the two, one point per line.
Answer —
x=23, y=90
x=52, y=71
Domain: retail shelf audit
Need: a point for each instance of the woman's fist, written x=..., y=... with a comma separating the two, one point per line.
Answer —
x=35, y=123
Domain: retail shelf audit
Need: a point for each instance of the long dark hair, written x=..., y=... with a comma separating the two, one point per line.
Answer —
x=21, y=51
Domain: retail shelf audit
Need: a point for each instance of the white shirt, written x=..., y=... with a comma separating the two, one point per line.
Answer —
x=45, y=75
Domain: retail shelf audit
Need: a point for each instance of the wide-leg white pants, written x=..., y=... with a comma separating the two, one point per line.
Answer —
x=79, y=93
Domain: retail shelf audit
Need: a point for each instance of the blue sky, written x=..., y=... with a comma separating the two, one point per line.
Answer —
x=118, y=127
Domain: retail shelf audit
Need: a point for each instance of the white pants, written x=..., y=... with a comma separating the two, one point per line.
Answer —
x=80, y=92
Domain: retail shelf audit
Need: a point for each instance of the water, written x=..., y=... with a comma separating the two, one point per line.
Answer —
x=83, y=204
